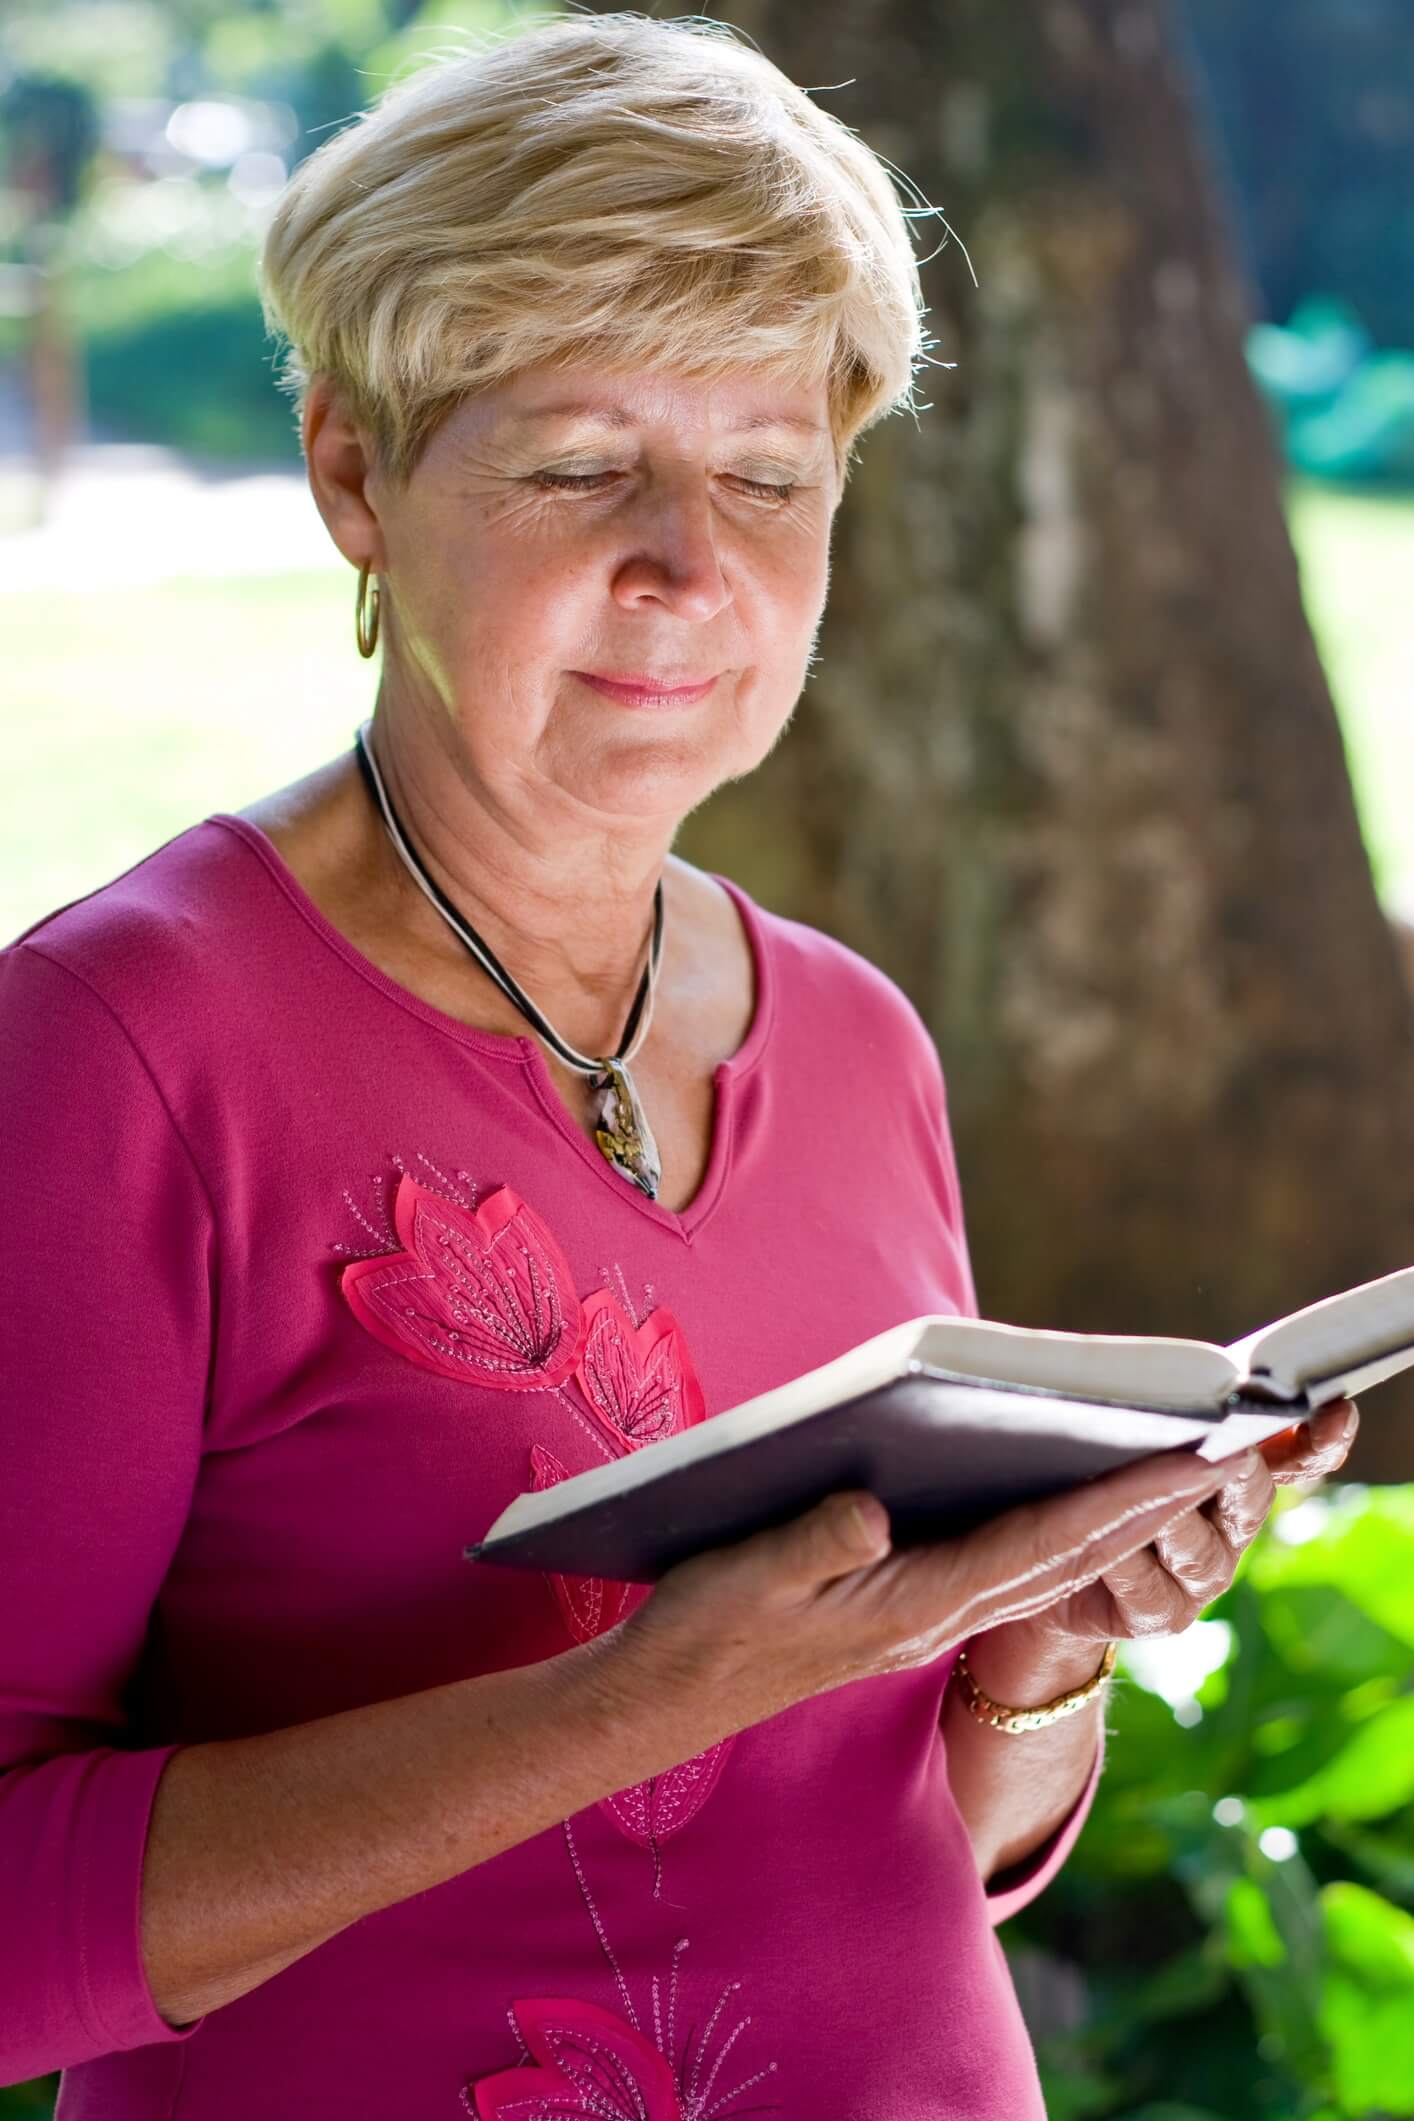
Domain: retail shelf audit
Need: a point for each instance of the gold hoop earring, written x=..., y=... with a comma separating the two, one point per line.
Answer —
x=366, y=614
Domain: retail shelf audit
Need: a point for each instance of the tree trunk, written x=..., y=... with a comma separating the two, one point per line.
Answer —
x=1069, y=769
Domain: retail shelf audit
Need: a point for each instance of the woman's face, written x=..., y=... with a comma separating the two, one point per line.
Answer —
x=575, y=522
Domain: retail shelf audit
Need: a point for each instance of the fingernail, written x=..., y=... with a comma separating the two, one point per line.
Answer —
x=871, y=1524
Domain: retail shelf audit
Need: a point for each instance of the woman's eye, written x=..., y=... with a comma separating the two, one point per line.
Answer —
x=582, y=481
x=571, y=478
x=766, y=491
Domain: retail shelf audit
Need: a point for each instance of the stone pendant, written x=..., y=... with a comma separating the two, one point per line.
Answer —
x=622, y=1130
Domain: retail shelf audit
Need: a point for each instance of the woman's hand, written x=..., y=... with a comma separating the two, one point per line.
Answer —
x=1163, y=1587
x=735, y=1635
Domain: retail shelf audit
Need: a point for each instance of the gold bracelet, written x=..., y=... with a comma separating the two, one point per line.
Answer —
x=1002, y=1718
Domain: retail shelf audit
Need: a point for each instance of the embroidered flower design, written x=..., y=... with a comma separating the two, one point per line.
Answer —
x=590, y=1604
x=580, y=2059
x=647, y=1812
x=637, y=1380
x=589, y=2062
x=651, y=1812
x=484, y=1295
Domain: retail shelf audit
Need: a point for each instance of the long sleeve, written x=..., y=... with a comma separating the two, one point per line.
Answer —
x=107, y=1245
x=1015, y=1888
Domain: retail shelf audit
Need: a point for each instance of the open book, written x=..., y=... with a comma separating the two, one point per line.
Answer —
x=950, y=1421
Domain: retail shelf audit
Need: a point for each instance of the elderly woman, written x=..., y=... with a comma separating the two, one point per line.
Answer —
x=428, y=1131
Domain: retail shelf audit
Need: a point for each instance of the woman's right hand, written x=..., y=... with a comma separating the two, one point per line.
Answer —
x=739, y=1633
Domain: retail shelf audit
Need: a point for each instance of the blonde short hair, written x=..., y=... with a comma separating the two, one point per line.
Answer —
x=616, y=188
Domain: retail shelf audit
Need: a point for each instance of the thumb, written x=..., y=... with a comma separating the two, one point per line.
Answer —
x=843, y=1533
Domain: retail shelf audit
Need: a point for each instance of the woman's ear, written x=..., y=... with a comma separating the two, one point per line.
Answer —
x=338, y=458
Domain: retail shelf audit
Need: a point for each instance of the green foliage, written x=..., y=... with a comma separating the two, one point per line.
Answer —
x=111, y=47
x=175, y=351
x=1234, y=1973
x=1367, y=2003
x=159, y=278
x=196, y=378
x=29, y=2102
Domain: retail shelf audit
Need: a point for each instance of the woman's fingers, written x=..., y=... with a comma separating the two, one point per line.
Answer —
x=1198, y=1554
x=1319, y=1448
x=1163, y=1589
x=1192, y=1562
x=1239, y=1509
x=1026, y=1559
x=1149, y=1599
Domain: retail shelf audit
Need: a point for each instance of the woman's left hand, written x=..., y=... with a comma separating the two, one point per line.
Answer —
x=1162, y=1589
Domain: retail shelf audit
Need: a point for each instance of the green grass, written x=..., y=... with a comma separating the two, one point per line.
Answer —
x=1357, y=566
x=133, y=713
x=129, y=714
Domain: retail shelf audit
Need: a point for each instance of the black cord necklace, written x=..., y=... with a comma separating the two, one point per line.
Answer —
x=622, y=1129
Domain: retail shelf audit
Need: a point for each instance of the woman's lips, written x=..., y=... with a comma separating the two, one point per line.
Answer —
x=641, y=692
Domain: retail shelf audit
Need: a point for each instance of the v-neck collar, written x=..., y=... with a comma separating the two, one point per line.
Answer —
x=526, y=1052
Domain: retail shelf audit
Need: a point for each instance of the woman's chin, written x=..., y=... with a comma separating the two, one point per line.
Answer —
x=636, y=781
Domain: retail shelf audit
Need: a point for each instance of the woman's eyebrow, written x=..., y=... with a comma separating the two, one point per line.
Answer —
x=612, y=416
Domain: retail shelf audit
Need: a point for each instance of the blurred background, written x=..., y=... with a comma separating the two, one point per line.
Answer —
x=1109, y=760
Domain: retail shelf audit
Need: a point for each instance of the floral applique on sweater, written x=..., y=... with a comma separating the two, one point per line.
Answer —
x=482, y=1292
x=484, y=1295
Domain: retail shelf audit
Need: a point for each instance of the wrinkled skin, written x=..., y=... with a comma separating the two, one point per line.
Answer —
x=1162, y=1589
x=739, y=1633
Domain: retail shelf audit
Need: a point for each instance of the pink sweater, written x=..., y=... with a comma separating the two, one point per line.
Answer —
x=238, y=1469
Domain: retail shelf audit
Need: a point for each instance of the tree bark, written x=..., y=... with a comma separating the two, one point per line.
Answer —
x=1069, y=768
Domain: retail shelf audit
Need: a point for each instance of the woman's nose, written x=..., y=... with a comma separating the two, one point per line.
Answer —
x=673, y=557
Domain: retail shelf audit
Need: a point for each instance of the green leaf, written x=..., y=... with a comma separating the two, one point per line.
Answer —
x=1273, y=1774
x=1317, y=1628
x=1372, y=2047
x=1272, y=1919
x=1367, y=2002
x=1385, y=1852
x=29, y=2102
x=1371, y=1938
x=1253, y=1937
x=1183, y=1984
x=1371, y=1774
x=1366, y=1552
x=1072, y=2092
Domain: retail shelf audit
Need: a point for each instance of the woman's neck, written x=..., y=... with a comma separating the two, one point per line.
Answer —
x=569, y=919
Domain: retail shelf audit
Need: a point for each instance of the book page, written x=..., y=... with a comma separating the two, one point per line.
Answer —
x=1242, y=1429
x=1179, y=1376
x=1337, y=1338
